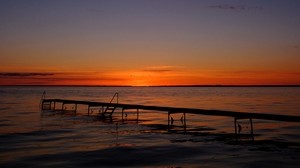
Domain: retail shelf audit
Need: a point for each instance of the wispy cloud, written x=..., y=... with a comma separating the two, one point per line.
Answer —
x=160, y=69
x=58, y=78
x=24, y=74
x=235, y=7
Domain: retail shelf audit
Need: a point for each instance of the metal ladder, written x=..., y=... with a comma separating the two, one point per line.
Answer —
x=43, y=105
x=109, y=110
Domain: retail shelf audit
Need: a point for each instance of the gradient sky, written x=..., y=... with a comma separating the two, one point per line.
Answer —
x=149, y=42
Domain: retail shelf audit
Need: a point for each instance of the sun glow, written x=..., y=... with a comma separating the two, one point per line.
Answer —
x=152, y=77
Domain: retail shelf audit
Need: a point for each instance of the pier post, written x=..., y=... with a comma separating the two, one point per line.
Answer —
x=168, y=119
x=137, y=115
x=46, y=105
x=235, y=131
x=50, y=105
x=75, y=107
x=251, y=126
x=251, y=129
x=184, y=121
x=122, y=114
x=54, y=105
x=237, y=125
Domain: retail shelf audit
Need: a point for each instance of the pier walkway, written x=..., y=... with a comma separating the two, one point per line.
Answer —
x=106, y=109
x=238, y=115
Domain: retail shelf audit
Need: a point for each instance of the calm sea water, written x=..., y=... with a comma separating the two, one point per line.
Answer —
x=30, y=137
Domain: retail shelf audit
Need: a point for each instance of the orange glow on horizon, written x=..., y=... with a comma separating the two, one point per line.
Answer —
x=152, y=77
x=140, y=43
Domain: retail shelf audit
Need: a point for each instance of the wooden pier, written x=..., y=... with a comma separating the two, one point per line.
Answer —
x=106, y=109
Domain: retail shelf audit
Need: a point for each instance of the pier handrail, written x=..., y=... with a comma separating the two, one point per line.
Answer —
x=42, y=98
x=116, y=95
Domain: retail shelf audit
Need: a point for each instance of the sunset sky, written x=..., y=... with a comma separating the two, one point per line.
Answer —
x=149, y=42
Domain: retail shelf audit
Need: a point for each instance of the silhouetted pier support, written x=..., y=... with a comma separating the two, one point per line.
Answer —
x=46, y=106
x=137, y=114
x=171, y=120
x=238, y=127
x=64, y=106
x=123, y=114
x=51, y=105
x=92, y=108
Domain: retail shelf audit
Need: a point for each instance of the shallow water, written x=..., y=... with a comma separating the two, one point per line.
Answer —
x=29, y=137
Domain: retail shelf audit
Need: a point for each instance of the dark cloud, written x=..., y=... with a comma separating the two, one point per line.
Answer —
x=160, y=69
x=245, y=73
x=235, y=7
x=24, y=74
x=58, y=76
x=38, y=78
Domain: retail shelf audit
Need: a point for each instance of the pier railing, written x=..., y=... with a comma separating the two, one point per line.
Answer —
x=42, y=103
x=109, y=110
x=116, y=95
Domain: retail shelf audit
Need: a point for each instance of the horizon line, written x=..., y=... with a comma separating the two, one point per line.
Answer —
x=216, y=85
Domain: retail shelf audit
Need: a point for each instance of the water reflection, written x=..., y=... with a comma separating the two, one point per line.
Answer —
x=30, y=137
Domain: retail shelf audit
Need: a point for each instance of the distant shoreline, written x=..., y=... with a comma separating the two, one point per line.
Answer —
x=150, y=86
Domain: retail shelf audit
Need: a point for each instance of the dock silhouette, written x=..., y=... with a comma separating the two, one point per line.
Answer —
x=106, y=110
